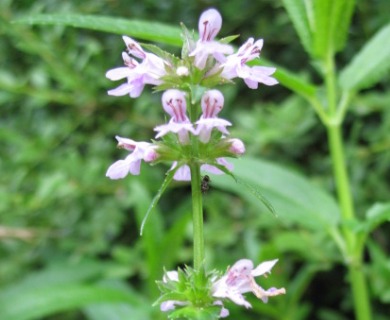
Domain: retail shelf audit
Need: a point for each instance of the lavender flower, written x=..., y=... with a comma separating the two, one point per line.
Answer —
x=149, y=71
x=132, y=163
x=174, y=103
x=212, y=104
x=240, y=278
x=235, y=66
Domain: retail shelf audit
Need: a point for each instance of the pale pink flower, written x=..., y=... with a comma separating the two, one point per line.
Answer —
x=149, y=71
x=132, y=163
x=174, y=103
x=212, y=104
x=235, y=66
x=240, y=278
x=210, y=23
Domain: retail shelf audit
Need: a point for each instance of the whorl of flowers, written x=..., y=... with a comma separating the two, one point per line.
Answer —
x=206, y=63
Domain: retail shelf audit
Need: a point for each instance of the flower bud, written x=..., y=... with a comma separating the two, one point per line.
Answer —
x=151, y=155
x=182, y=71
x=237, y=146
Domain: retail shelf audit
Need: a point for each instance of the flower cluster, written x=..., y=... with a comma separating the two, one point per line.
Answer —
x=238, y=279
x=209, y=130
x=208, y=62
x=194, y=134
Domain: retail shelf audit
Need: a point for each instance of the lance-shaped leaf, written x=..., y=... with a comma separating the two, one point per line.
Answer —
x=145, y=30
x=369, y=65
x=299, y=13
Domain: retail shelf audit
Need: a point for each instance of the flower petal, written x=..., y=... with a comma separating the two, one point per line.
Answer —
x=264, y=267
x=118, y=170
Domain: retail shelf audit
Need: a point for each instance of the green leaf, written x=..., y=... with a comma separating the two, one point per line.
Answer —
x=249, y=187
x=37, y=302
x=376, y=215
x=60, y=273
x=160, y=192
x=331, y=20
x=290, y=80
x=295, y=199
x=146, y=30
x=370, y=64
x=299, y=14
x=322, y=34
x=342, y=14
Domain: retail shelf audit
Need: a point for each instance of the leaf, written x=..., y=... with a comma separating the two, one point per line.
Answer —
x=119, y=311
x=60, y=273
x=249, y=187
x=160, y=192
x=376, y=215
x=290, y=80
x=299, y=15
x=331, y=24
x=145, y=30
x=295, y=199
x=342, y=14
x=322, y=34
x=370, y=64
x=36, y=302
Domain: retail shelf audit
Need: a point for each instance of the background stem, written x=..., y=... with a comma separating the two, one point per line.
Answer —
x=354, y=252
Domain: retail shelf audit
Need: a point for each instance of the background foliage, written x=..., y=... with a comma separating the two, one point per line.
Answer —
x=69, y=237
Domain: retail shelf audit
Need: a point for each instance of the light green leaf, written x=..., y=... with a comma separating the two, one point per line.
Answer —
x=60, y=273
x=295, y=199
x=376, y=215
x=342, y=14
x=145, y=30
x=36, y=302
x=165, y=184
x=322, y=35
x=290, y=80
x=370, y=64
x=331, y=24
x=299, y=14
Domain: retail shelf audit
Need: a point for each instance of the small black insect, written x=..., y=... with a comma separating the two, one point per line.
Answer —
x=204, y=186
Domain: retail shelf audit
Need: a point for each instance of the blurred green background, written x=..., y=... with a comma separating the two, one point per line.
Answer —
x=64, y=226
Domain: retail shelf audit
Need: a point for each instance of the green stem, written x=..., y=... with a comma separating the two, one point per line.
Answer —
x=353, y=248
x=354, y=251
x=197, y=216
